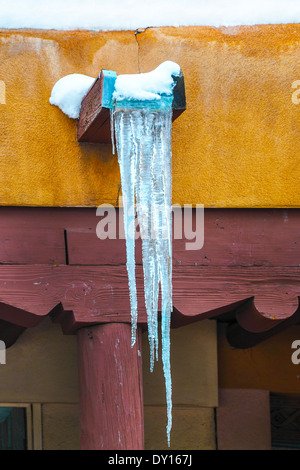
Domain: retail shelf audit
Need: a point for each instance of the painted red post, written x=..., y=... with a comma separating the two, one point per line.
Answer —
x=110, y=388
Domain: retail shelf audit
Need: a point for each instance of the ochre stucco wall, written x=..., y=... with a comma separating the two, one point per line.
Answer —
x=236, y=145
x=267, y=366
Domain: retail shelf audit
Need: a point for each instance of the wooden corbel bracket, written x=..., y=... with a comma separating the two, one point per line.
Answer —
x=79, y=296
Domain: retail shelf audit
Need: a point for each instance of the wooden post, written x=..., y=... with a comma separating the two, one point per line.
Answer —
x=110, y=388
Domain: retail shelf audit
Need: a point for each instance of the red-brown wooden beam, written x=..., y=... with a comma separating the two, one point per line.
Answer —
x=249, y=327
x=81, y=295
x=110, y=388
x=232, y=237
x=247, y=274
x=247, y=253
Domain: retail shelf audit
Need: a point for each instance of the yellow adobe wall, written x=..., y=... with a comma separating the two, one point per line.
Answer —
x=236, y=145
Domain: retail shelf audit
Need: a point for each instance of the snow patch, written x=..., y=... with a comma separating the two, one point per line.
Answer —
x=132, y=14
x=147, y=86
x=69, y=91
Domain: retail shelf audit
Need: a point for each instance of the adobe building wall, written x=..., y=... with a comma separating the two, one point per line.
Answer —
x=236, y=145
x=267, y=366
x=41, y=368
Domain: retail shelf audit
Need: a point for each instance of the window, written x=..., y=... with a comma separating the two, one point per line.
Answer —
x=285, y=421
x=20, y=426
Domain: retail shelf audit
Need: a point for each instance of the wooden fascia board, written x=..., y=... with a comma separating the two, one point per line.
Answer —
x=78, y=296
x=247, y=272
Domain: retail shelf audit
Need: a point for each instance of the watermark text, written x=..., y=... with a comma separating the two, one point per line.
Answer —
x=2, y=352
x=185, y=222
x=296, y=354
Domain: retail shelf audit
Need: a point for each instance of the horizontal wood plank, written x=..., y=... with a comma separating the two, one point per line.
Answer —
x=78, y=295
x=32, y=246
x=231, y=238
x=85, y=248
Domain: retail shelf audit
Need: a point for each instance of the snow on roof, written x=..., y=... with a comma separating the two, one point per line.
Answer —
x=133, y=14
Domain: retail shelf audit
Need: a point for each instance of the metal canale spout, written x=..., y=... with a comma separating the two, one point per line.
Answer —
x=94, y=119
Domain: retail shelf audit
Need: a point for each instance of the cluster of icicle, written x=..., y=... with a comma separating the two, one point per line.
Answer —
x=142, y=136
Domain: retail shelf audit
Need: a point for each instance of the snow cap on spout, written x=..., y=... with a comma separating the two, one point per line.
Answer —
x=94, y=121
x=147, y=86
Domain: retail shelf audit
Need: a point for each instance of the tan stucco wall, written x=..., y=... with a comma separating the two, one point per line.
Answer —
x=60, y=426
x=236, y=145
x=267, y=366
x=194, y=389
x=193, y=428
x=41, y=367
x=244, y=420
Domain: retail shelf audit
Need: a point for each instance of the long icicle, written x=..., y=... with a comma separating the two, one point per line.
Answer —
x=127, y=158
x=143, y=141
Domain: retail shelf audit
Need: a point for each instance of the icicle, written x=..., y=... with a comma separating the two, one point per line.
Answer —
x=127, y=158
x=112, y=129
x=143, y=142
